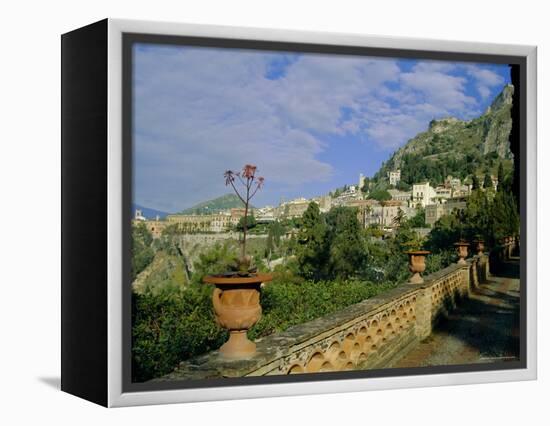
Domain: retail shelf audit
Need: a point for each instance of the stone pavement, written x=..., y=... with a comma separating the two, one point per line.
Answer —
x=482, y=329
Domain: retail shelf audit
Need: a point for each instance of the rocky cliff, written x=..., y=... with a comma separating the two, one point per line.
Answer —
x=453, y=146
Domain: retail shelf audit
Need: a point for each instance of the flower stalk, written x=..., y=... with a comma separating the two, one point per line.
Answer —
x=251, y=185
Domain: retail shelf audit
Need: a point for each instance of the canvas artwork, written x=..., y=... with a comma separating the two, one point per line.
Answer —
x=319, y=213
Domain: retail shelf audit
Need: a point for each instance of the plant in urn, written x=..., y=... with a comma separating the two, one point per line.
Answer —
x=236, y=298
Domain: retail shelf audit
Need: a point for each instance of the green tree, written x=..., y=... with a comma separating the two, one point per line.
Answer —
x=142, y=252
x=487, y=181
x=311, y=250
x=477, y=216
x=218, y=259
x=250, y=223
x=399, y=218
x=403, y=186
x=347, y=245
x=277, y=230
x=475, y=182
x=269, y=246
x=445, y=232
x=366, y=184
x=380, y=195
x=505, y=215
x=500, y=176
x=419, y=219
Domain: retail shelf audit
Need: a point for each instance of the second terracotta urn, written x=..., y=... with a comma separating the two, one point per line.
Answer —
x=462, y=251
x=417, y=265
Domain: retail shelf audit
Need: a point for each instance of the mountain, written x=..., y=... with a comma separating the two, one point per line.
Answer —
x=228, y=201
x=455, y=147
x=147, y=212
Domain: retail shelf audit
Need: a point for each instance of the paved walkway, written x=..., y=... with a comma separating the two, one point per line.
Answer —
x=484, y=328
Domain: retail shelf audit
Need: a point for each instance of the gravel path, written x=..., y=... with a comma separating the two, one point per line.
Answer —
x=484, y=328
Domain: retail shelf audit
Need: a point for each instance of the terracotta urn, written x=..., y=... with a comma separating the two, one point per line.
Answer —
x=237, y=307
x=462, y=251
x=480, y=247
x=417, y=265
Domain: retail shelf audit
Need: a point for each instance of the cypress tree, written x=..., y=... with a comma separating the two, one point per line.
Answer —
x=487, y=181
x=311, y=250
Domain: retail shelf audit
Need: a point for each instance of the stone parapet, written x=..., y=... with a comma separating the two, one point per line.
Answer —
x=371, y=334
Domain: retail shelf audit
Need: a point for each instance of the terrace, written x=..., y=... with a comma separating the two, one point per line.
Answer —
x=465, y=313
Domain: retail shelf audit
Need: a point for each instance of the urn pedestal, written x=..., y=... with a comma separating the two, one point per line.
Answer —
x=417, y=265
x=236, y=302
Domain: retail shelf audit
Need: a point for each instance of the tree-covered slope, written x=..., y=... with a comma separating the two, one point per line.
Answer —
x=216, y=205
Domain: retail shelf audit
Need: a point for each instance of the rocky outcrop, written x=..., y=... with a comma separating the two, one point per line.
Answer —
x=450, y=138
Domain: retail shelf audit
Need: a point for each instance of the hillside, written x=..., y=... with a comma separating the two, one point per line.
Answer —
x=165, y=271
x=228, y=201
x=454, y=147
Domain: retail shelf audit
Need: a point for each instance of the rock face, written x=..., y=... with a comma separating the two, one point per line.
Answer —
x=497, y=121
x=482, y=141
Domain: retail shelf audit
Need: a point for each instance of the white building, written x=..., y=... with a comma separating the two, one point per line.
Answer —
x=394, y=177
x=139, y=215
x=423, y=194
x=443, y=192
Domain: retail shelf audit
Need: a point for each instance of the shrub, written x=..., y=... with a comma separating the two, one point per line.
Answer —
x=170, y=327
x=289, y=302
x=440, y=260
x=142, y=253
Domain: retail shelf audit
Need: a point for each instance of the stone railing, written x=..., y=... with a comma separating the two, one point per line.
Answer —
x=374, y=333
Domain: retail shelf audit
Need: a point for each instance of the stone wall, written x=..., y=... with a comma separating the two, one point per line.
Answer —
x=374, y=333
x=192, y=245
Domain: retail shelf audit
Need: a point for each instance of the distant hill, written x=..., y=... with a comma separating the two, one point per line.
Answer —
x=459, y=148
x=147, y=212
x=228, y=201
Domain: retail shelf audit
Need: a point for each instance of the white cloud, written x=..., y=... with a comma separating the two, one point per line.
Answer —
x=485, y=78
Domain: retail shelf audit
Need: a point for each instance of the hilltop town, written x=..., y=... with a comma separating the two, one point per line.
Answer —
x=434, y=201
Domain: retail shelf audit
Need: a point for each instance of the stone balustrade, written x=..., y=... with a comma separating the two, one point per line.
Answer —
x=371, y=334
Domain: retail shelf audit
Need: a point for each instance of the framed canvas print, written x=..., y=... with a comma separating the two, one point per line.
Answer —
x=251, y=212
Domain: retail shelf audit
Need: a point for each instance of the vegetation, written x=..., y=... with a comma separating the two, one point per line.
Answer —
x=312, y=249
x=332, y=263
x=142, y=253
x=228, y=201
x=379, y=195
x=171, y=326
x=419, y=219
x=289, y=301
x=488, y=215
x=345, y=242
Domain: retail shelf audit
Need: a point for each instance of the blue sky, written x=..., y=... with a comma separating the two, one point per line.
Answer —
x=310, y=122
